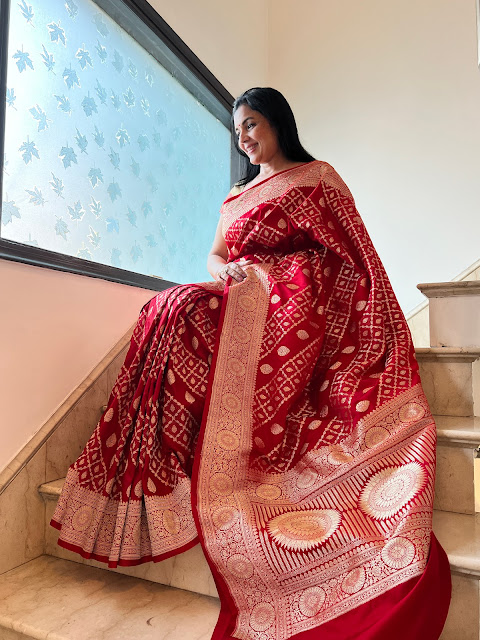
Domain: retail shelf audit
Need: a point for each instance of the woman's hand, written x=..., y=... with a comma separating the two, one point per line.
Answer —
x=234, y=270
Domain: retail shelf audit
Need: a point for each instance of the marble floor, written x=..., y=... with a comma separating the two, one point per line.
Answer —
x=61, y=600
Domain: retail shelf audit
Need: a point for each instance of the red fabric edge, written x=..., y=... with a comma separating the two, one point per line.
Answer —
x=120, y=563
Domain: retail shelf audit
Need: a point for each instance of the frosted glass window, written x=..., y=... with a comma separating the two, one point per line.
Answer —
x=107, y=156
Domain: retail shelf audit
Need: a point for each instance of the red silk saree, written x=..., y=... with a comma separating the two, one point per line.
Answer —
x=280, y=422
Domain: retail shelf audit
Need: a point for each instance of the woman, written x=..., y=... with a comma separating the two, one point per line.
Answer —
x=276, y=416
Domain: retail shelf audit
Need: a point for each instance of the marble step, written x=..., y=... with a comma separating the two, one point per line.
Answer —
x=457, y=483
x=54, y=599
x=188, y=570
x=454, y=312
x=451, y=379
x=459, y=534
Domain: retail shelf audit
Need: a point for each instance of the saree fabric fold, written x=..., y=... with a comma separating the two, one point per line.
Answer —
x=281, y=422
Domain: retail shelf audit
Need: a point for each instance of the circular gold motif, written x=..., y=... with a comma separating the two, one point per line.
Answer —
x=136, y=403
x=311, y=601
x=303, y=530
x=336, y=365
x=307, y=478
x=375, y=436
x=108, y=415
x=362, y=406
x=391, y=489
x=189, y=398
x=266, y=369
x=171, y=522
x=314, y=424
x=411, y=412
x=247, y=302
x=151, y=486
x=195, y=342
x=213, y=303
x=228, y=440
x=268, y=491
x=275, y=298
x=354, y=580
x=242, y=335
x=231, y=402
x=262, y=616
x=283, y=351
x=240, y=566
x=282, y=224
x=303, y=335
x=338, y=456
x=259, y=442
x=276, y=428
x=236, y=366
x=221, y=484
x=82, y=518
x=170, y=376
x=138, y=491
x=224, y=518
x=348, y=350
x=325, y=384
x=398, y=553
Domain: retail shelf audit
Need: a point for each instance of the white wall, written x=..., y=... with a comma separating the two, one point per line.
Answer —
x=55, y=327
x=389, y=93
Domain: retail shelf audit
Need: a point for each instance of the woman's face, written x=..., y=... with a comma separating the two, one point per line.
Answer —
x=256, y=136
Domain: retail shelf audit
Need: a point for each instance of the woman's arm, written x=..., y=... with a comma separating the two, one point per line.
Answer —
x=217, y=264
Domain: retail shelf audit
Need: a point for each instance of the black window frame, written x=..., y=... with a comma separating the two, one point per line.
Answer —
x=156, y=27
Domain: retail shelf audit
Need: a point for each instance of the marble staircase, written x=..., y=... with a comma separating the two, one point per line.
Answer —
x=175, y=599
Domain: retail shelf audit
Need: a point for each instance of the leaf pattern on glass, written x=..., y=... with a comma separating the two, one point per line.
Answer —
x=149, y=76
x=95, y=207
x=22, y=60
x=144, y=103
x=129, y=98
x=57, y=185
x=11, y=97
x=136, y=253
x=94, y=237
x=41, y=117
x=132, y=217
x=57, y=34
x=151, y=242
x=99, y=137
x=122, y=137
x=95, y=176
x=9, y=211
x=89, y=105
x=61, y=228
x=114, y=158
x=29, y=151
x=113, y=225
x=146, y=208
x=64, y=104
x=26, y=11
x=143, y=142
x=152, y=182
x=84, y=58
x=117, y=61
x=70, y=76
x=101, y=92
x=114, y=191
x=135, y=167
x=72, y=8
x=100, y=24
x=81, y=141
x=115, y=257
x=84, y=253
x=68, y=156
x=132, y=69
x=48, y=59
x=117, y=103
x=102, y=52
x=36, y=196
x=77, y=211
x=157, y=138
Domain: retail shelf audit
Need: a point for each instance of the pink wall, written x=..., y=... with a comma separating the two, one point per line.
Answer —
x=54, y=329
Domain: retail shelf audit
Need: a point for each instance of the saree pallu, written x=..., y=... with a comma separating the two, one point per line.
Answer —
x=281, y=422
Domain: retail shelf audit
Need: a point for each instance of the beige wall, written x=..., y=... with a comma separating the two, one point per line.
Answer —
x=389, y=93
x=55, y=327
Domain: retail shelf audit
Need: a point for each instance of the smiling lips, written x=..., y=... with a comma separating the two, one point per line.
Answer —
x=250, y=148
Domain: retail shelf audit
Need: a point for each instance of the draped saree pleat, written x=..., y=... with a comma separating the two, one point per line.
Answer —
x=281, y=422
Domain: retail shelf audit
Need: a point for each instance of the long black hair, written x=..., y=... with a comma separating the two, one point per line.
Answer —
x=274, y=107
